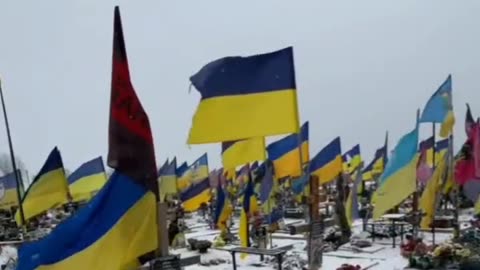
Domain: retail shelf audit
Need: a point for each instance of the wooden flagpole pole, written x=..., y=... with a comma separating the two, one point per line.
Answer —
x=12, y=156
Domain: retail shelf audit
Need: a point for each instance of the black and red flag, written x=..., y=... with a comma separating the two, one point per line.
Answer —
x=467, y=165
x=468, y=120
x=131, y=150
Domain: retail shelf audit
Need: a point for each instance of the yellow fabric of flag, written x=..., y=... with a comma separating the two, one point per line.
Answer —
x=245, y=97
x=48, y=190
x=399, y=178
x=241, y=152
x=428, y=199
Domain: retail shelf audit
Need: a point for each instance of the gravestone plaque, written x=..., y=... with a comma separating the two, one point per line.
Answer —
x=316, y=229
x=166, y=263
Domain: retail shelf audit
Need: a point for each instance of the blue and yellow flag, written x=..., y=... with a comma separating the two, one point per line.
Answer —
x=193, y=197
x=441, y=147
x=245, y=97
x=267, y=183
x=184, y=177
x=237, y=153
x=48, y=190
x=199, y=169
x=398, y=180
x=249, y=207
x=87, y=180
x=254, y=166
x=427, y=146
x=444, y=148
x=351, y=204
x=266, y=188
x=8, y=191
x=242, y=175
x=351, y=159
x=285, y=153
x=223, y=209
x=439, y=108
x=229, y=174
x=299, y=184
x=168, y=180
x=160, y=171
x=180, y=170
x=165, y=165
x=327, y=164
x=377, y=165
x=428, y=200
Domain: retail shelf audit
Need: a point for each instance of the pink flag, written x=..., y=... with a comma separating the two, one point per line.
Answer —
x=424, y=172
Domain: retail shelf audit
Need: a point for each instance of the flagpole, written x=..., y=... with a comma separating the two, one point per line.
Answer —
x=269, y=206
x=433, y=170
x=416, y=215
x=456, y=229
x=300, y=158
x=12, y=156
x=433, y=147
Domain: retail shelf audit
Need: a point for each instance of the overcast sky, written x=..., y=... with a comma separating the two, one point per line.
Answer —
x=363, y=67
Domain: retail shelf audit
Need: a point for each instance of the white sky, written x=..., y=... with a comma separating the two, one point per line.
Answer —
x=363, y=67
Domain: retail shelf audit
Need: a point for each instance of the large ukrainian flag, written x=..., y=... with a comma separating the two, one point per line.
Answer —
x=48, y=190
x=328, y=164
x=237, y=153
x=245, y=97
x=87, y=180
x=439, y=108
x=8, y=191
x=119, y=224
x=195, y=195
x=285, y=153
x=398, y=180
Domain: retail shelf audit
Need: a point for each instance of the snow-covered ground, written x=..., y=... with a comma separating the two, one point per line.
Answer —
x=381, y=256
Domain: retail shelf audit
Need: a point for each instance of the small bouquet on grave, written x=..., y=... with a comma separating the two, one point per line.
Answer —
x=449, y=252
x=349, y=267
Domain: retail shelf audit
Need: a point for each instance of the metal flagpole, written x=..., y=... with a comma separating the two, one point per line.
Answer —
x=433, y=147
x=456, y=194
x=433, y=170
x=415, y=212
x=12, y=156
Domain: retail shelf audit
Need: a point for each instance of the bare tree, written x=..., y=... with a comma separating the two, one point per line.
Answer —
x=6, y=167
x=6, y=163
